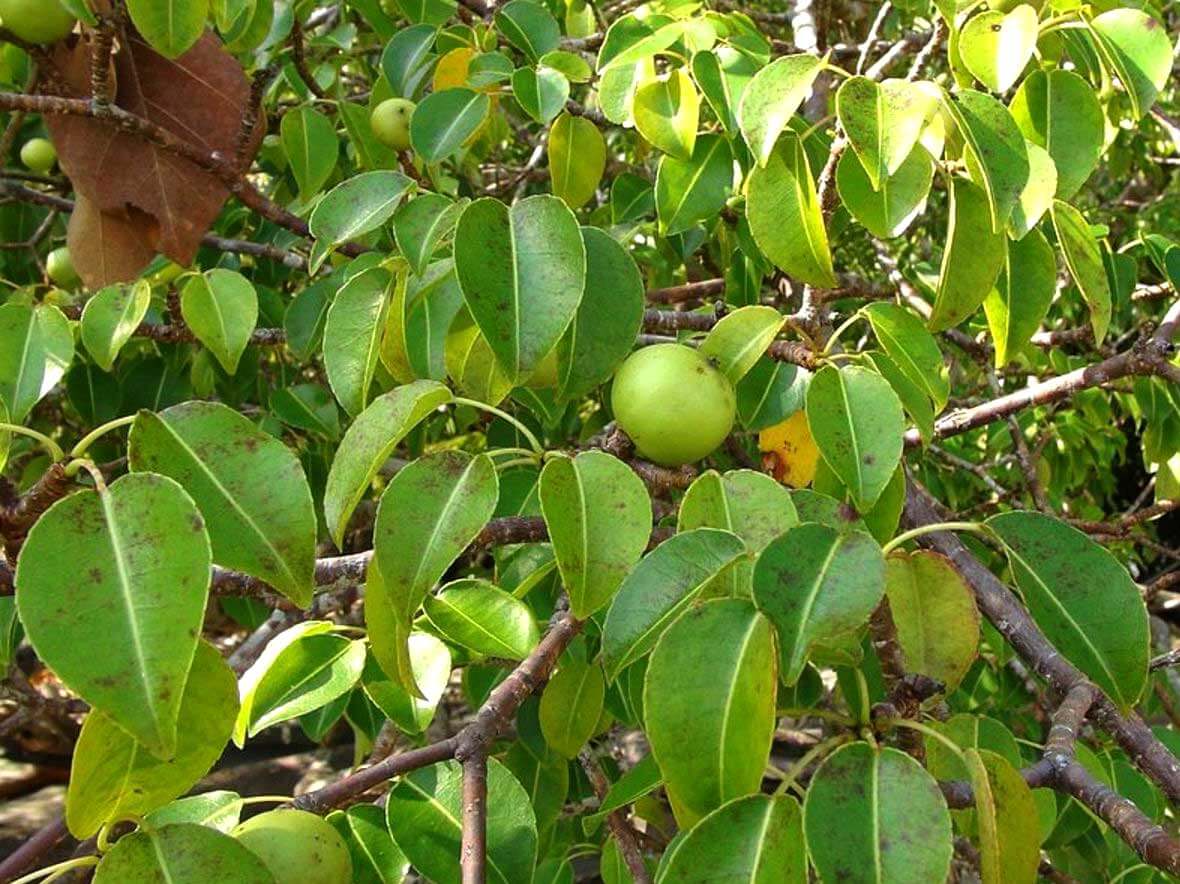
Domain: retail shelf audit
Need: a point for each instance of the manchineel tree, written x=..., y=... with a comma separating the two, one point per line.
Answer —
x=672, y=441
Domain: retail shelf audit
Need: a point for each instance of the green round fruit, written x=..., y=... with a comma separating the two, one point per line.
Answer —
x=673, y=403
x=60, y=267
x=39, y=155
x=37, y=21
x=297, y=846
x=391, y=122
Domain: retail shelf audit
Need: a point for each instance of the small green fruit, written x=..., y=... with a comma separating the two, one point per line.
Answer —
x=60, y=267
x=673, y=403
x=37, y=21
x=391, y=122
x=297, y=847
x=39, y=155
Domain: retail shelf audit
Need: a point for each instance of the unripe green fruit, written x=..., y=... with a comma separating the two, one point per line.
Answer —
x=391, y=122
x=60, y=267
x=39, y=155
x=297, y=846
x=673, y=403
x=37, y=21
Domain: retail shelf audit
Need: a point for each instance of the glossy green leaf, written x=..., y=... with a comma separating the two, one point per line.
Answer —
x=710, y=717
x=528, y=26
x=369, y=442
x=875, y=815
x=181, y=854
x=424, y=812
x=771, y=98
x=1058, y=110
x=817, y=584
x=888, y=211
x=753, y=840
x=1082, y=598
x=935, y=614
x=111, y=317
x=857, y=423
x=912, y=348
x=996, y=47
x=737, y=342
x=722, y=74
x=430, y=663
x=667, y=113
x=221, y=307
x=882, y=122
x=1084, y=259
x=1037, y=196
x=120, y=629
x=694, y=190
x=1023, y=292
x=444, y=121
x=430, y=512
x=307, y=407
x=309, y=141
x=599, y=517
x=170, y=26
x=422, y=224
x=249, y=486
x=785, y=215
x=522, y=270
x=577, y=159
x=971, y=261
x=1009, y=833
x=218, y=809
x=571, y=706
x=112, y=777
x=375, y=858
x=352, y=336
x=1138, y=50
x=484, y=619
x=356, y=207
x=407, y=59
x=541, y=91
x=771, y=392
x=659, y=588
x=36, y=348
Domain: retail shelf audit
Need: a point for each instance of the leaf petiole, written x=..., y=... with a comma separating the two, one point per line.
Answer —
x=55, y=450
x=91, y=437
x=971, y=527
x=537, y=447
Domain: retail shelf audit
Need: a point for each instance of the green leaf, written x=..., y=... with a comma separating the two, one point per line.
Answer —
x=309, y=141
x=1009, y=832
x=181, y=854
x=420, y=315
x=430, y=662
x=433, y=12
x=971, y=261
x=522, y=270
x=1138, y=50
x=445, y=120
x=577, y=159
x=857, y=422
x=694, y=190
x=472, y=365
x=659, y=588
x=545, y=776
x=876, y=816
x=1084, y=259
x=307, y=407
x=369, y=442
x=218, y=809
x=304, y=320
x=112, y=777
x=996, y=47
x=753, y=840
x=424, y=812
x=574, y=66
x=642, y=779
x=1023, y=292
x=249, y=486
x=36, y=348
x=118, y=619
x=771, y=392
x=300, y=671
x=355, y=207
x=571, y=706
x=1082, y=598
x=771, y=98
x=633, y=38
x=599, y=517
x=883, y=122
x=542, y=92
x=888, y=211
x=708, y=701
x=484, y=619
x=667, y=111
x=422, y=224
x=608, y=318
x=1037, y=196
x=375, y=858
x=528, y=26
x=111, y=317
x=407, y=59
x=723, y=73
x=994, y=150
x=1059, y=111
x=221, y=307
x=170, y=26
x=785, y=216
x=817, y=584
x=935, y=614
x=430, y=512
x=912, y=348
x=352, y=336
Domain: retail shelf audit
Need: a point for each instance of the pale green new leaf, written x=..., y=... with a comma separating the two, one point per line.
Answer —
x=1084, y=259
x=737, y=342
x=484, y=619
x=352, y=336
x=170, y=26
x=36, y=348
x=577, y=159
x=111, y=317
x=771, y=98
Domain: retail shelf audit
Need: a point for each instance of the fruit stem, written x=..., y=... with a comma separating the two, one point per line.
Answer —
x=55, y=450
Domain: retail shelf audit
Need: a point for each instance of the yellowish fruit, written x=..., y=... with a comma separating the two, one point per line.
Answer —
x=391, y=122
x=37, y=21
x=60, y=267
x=297, y=846
x=788, y=451
x=39, y=155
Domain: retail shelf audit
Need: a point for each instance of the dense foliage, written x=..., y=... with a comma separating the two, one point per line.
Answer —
x=674, y=442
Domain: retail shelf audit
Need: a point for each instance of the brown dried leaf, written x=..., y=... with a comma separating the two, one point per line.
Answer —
x=110, y=247
x=200, y=97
